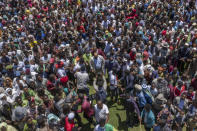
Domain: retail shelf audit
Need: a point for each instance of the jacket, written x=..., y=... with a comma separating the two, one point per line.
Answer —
x=150, y=118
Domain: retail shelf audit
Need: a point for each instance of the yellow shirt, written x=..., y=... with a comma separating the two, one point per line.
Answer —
x=32, y=44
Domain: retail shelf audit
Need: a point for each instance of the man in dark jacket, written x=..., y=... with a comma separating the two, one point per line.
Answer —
x=131, y=109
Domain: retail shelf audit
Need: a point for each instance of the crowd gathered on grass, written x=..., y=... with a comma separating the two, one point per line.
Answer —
x=63, y=61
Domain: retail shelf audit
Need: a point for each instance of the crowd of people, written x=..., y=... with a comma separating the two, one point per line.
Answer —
x=63, y=61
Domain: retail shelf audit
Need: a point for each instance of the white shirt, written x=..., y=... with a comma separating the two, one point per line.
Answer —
x=101, y=113
x=77, y=67
x=61, y=72
x=33, y=68
x=82, y=79
x=113, y=80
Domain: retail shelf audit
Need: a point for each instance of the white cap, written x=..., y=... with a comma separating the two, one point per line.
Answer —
x=2, y=95
x=138, y=87
x=194, y=24
x=133, y=49
x=71, y=116
x=186, y=44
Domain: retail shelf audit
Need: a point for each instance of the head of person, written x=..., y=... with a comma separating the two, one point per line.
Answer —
x=102, y=122
x=82, y=68
x=169, y=102
x=71, y=117
x=95, y=54
x=147, y=107
x=41, y=121
x=183, y=96
x=19, y=100
x=190, y=90
x=162, y=122
x=30, y=121
x=66, y=109
x=195, y=103
x=138, y=87
x=81, y=96
x=100, y=104
x=3, y=126
x=81, y=61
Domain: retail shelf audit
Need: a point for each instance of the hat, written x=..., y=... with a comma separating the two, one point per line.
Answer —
x=19, y=113
x=1, y=90
x=8, y=90
x=27, y=11
x=4, y=124
x=164, y=44
x=2, y=95
x=138, y=87
x=164, y=66
x=8, y=67
x=133, y=49
x=71, y=116
x=139, y=61
x=194, y=24
x=52, y=118
x=161, y=97
x=180, y=82
x=186, y=44
x=124, y=60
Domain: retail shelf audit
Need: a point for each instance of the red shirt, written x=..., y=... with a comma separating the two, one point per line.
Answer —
x=132, y=55
x=178, y=92
x=50, y=85
x=68, y=126
x=86, y=107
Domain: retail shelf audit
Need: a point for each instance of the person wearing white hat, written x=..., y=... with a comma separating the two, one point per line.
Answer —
x=10, y=96
x=69, y=122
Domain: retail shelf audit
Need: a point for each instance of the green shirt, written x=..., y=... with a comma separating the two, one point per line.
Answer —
x=87, y=58
x=26, y=128
x=109, y=127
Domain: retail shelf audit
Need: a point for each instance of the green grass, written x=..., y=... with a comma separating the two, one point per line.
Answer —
x=117, y=117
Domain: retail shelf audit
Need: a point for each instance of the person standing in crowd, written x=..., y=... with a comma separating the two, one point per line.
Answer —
x=97, y=63
x=101, y=111
x=113, y=84
x=148, y=116
x=104, y=126
x=82, y=79
x=131, y=109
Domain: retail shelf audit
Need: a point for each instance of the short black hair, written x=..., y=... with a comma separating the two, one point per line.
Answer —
x=147, y=107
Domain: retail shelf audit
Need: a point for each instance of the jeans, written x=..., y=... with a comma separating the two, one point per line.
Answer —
x=147, y=128
x=130, y=116
x=114, y=93
x=83, y=91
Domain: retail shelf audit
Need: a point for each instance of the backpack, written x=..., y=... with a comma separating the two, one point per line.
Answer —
x=148, y=96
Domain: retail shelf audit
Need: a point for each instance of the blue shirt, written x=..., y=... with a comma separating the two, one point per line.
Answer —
x=181, y=104
x=142, y=100
x=98, y=63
